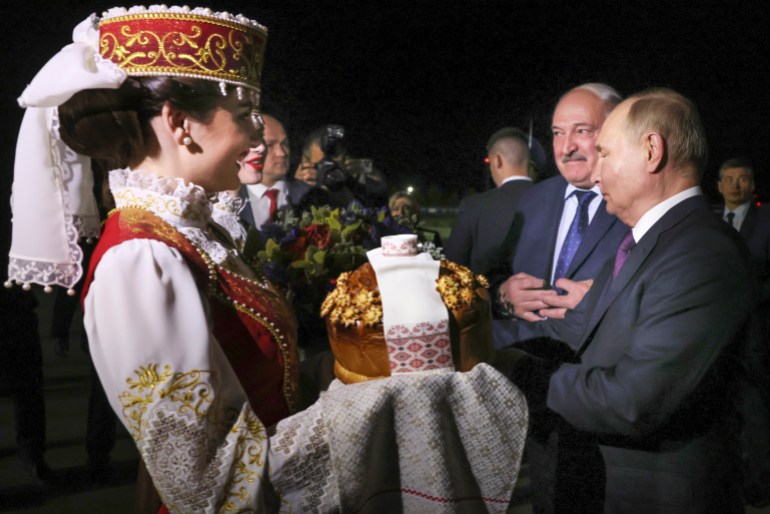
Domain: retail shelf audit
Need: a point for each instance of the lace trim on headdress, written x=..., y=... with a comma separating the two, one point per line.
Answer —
x=202, y=11
x=62, y=273
x=64, y=158
x=65, y=274
x=86, y=226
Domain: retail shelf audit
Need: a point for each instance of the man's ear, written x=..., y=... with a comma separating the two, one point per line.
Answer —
x=175, y=122
x=498, y=161
x=654, y=148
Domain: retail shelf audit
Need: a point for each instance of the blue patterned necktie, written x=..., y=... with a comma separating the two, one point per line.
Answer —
x=730, y=218
x=575, y=234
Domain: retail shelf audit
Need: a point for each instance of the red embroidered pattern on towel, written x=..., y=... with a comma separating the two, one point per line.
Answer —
x=419, y=347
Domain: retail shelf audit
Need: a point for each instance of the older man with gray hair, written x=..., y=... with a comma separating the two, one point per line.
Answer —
x=658, y=376
x=566, y=234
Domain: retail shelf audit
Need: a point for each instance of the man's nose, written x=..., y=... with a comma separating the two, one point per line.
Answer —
x=596, y=173
x=568, y=146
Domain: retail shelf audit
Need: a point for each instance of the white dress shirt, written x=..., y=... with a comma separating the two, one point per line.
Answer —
x=652, y=216
x=568, y=214
x=515, y=177
x=740, y=215
x=260, y=204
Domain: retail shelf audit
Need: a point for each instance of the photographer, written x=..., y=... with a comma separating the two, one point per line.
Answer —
x=337, y=179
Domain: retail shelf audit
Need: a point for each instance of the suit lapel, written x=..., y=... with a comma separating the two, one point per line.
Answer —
x=611, y=288
x=245, y=214
x=599, y=226
x=749, y=223
x=550, y=225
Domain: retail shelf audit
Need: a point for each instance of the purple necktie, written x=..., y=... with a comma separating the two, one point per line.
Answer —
x=621, y=257
x=574, y=234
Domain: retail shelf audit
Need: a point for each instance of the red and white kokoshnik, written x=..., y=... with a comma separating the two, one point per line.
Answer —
x=53, y=203
x=179, y=41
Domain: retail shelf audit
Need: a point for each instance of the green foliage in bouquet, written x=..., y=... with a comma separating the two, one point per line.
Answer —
x=305, y=255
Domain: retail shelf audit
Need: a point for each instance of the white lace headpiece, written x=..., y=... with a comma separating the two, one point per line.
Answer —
x=52, y=199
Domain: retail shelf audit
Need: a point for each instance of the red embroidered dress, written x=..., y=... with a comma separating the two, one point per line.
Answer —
x=196, y=354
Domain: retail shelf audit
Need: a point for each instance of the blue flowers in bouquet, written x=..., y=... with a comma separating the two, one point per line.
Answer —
x=305, y=255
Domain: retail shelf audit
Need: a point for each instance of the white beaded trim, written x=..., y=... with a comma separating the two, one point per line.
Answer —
x=200, y=11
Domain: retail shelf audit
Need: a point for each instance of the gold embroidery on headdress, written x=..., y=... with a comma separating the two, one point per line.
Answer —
x=184, y=44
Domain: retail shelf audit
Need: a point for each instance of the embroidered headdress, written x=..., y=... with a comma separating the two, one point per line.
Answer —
x=184, y=42
x=52, y=201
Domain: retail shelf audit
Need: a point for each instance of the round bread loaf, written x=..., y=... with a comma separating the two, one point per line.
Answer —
x=353, y=313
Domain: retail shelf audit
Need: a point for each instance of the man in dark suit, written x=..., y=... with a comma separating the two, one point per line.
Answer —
x=265, y=190
x=486, y=224
x=550, y=247
x=552, y=210
x=658, y=378
x=736, y=185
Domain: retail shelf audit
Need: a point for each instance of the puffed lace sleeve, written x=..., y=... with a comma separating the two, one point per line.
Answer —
x=170, y=383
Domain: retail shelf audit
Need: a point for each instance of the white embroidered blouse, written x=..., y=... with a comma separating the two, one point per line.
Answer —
x=162, y=368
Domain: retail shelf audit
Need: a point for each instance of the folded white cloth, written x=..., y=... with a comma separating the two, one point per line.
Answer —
x=414, y=442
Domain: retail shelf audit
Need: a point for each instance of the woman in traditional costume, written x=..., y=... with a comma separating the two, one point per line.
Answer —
x=195, y=350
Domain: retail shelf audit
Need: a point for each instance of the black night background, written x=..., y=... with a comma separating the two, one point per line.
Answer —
x=420, y=85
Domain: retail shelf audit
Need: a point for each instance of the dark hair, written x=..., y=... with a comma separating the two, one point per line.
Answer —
x=507, y=133
x=510, y=143
x=737, y=162
x=113, y=125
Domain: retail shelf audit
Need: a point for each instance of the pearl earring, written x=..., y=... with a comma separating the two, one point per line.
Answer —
x=187, y=140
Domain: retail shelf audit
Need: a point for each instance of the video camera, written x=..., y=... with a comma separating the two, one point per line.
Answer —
x=341, y=180
x=330, y=173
